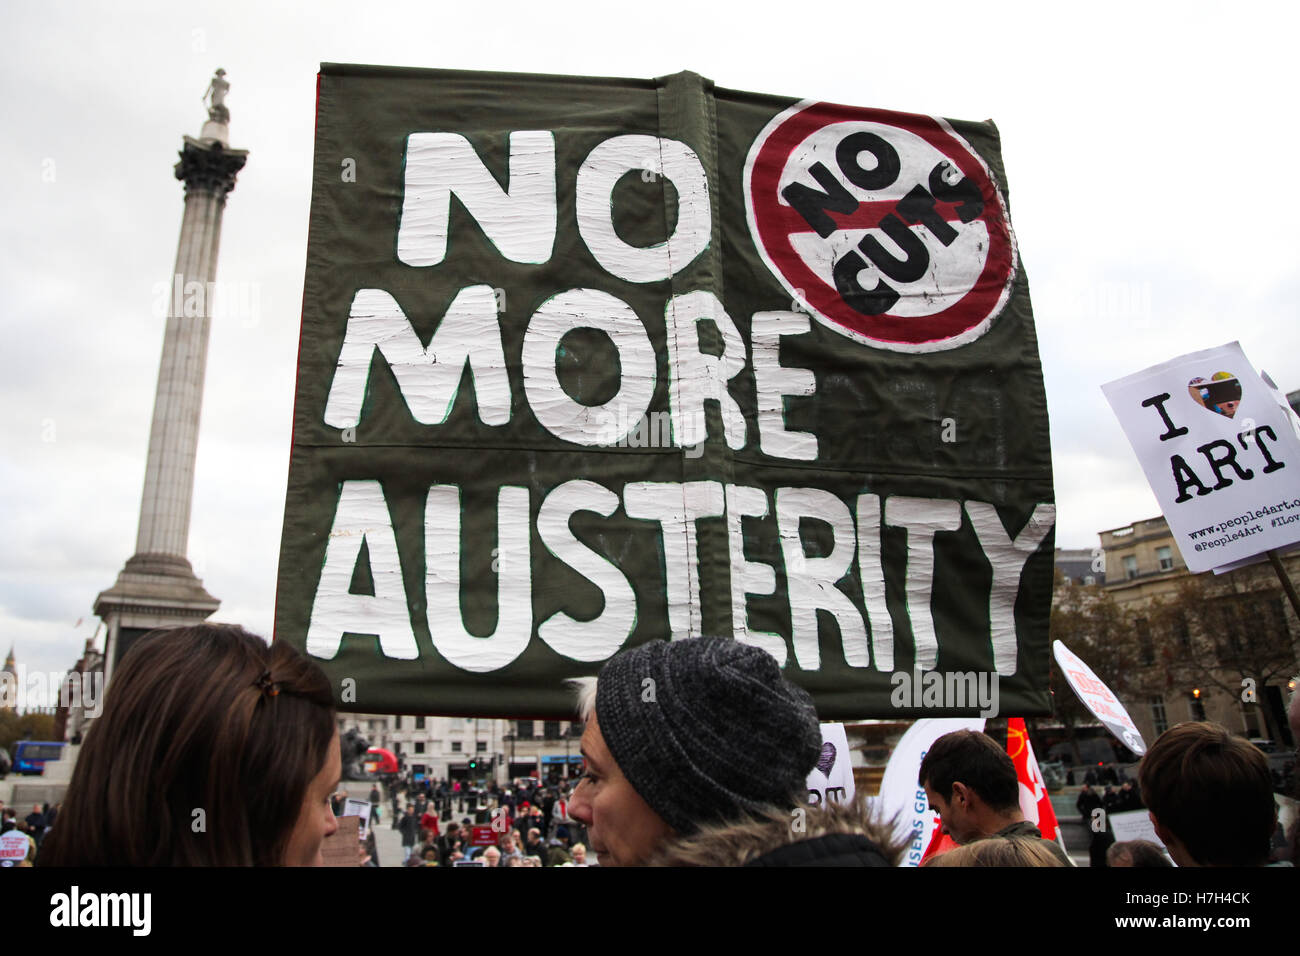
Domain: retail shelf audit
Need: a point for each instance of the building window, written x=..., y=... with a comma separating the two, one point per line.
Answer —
x=551, y=730
x=1166, y=558
x=524, y=729
x=1264, y=619
x=1158, y=716
x=1146, y=647
x=455, y=746
x=398, y=725
x=1239, y=621
x=1130, y=566
x=480, y=746
x=419, y=746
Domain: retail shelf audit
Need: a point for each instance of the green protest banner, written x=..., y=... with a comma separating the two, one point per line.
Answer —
x=589, y=362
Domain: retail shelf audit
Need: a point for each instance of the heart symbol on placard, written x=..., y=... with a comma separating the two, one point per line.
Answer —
x=827, y=758
x=1220, y=393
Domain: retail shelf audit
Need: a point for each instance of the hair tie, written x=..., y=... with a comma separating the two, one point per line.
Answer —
x=265, y=685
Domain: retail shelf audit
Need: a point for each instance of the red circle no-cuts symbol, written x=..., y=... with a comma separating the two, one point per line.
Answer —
x=886, y=227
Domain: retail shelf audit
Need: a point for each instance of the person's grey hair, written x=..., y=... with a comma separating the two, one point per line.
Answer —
x=1136, y=853
x=585, y=688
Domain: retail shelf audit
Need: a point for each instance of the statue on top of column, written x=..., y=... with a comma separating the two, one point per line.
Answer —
x=215, y=96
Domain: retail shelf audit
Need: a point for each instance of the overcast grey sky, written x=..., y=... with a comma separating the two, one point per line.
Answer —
x=1143, y=144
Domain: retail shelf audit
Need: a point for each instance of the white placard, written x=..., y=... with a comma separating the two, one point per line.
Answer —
x=901, y=798
x=1098, y=698
x=1219, y=451
x=831, y=781
x=352, y=807
x=13, y=847
x=1136, y=825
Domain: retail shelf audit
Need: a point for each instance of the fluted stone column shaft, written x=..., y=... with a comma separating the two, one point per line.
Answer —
x=173, y=438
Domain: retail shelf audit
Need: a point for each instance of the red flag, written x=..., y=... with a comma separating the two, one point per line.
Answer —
x=940, y=842
x=1035, y=804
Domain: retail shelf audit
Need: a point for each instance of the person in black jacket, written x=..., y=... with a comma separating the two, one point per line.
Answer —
x=410, y=828
x=1098, y=825
x=36, y=823
x=448, y=843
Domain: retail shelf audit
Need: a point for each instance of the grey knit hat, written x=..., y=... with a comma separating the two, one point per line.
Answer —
x=706, y=728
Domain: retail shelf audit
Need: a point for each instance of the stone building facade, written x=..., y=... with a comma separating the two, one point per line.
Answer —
x=1209, y=647
x=499, y=749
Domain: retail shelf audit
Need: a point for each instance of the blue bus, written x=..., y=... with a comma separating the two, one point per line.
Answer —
x=30, y=755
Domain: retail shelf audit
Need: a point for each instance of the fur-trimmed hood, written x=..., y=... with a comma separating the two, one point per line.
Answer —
x=830, y=835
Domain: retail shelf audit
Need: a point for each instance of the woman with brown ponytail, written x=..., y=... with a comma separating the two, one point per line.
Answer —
x=214, y=749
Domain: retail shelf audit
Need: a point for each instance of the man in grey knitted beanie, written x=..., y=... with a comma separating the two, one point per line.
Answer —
x=688, y=733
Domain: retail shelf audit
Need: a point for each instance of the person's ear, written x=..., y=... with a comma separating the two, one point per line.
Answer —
x=1171, y=842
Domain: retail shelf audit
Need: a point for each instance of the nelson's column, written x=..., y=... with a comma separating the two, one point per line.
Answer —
x=157, y=587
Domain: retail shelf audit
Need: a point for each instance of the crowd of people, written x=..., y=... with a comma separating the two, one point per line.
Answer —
x=1109, y=800
x=216, y=749
x=34, y=826
x=528, y=823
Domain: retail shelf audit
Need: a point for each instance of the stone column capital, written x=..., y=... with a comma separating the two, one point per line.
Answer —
x=209, y=166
